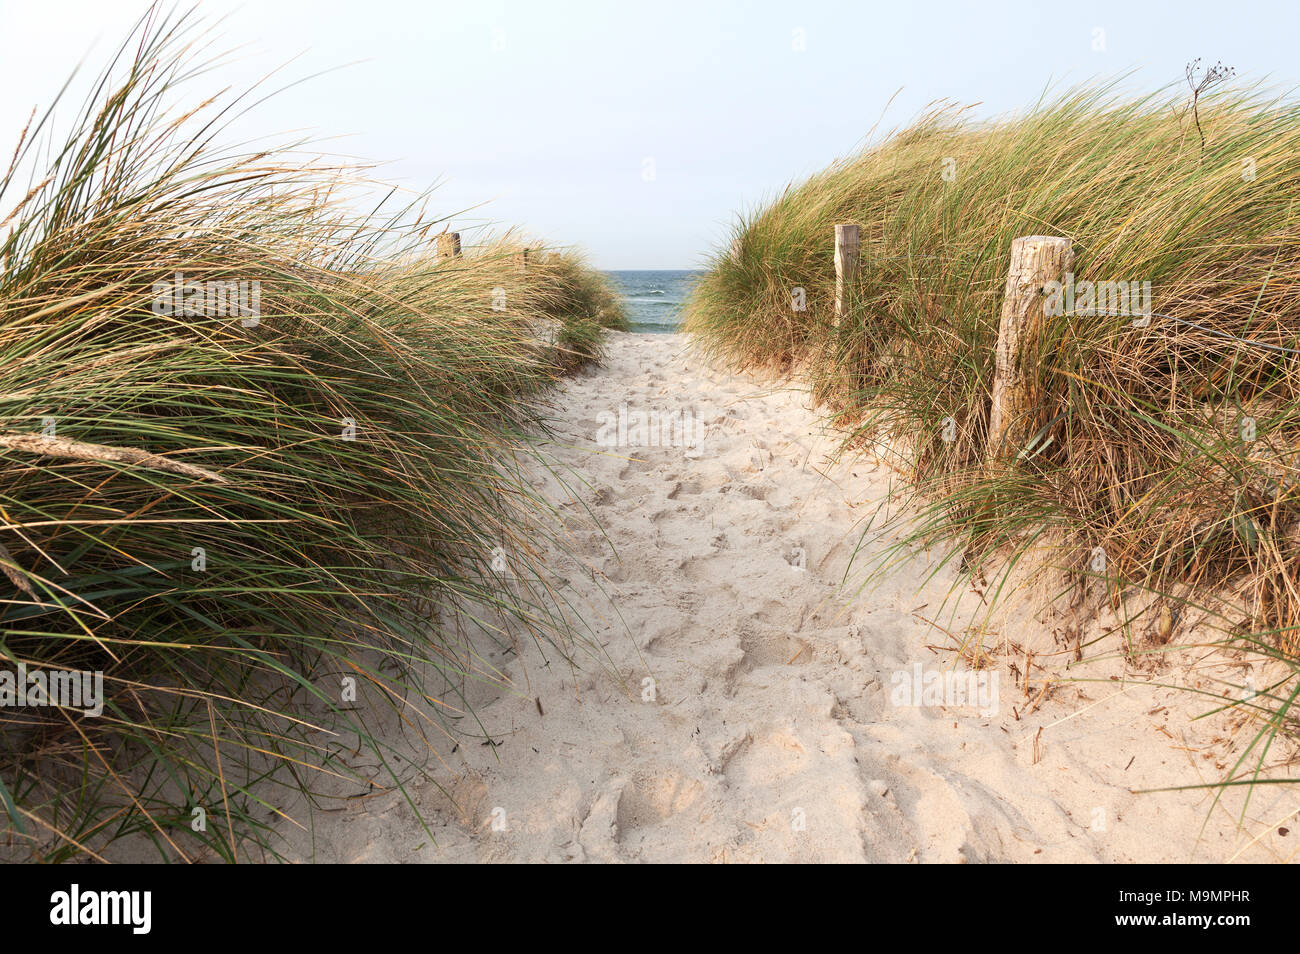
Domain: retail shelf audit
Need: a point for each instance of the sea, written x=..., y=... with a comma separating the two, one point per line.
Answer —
x=654, y=299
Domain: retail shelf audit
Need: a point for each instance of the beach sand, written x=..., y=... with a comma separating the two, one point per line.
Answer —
x=772, y=731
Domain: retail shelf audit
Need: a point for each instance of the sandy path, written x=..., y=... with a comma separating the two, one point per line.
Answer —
x=770, y=734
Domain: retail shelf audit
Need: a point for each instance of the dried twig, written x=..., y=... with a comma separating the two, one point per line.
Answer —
x=101, y=453
x=1216, y=74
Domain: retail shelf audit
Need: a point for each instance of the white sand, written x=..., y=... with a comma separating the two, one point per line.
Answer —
x=771, y=735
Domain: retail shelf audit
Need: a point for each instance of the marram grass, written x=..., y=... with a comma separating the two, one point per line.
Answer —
x=1170, y=446
x=229, y=516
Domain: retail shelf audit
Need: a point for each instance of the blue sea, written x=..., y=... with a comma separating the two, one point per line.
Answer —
x=654, y=298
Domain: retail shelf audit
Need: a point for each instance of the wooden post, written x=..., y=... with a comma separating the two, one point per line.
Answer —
x=523, y=260
x=448, y=245
x=847, y=244
x=1035, y=261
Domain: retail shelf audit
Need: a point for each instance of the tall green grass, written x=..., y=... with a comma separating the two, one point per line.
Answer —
x=1136, y=443
x=584, y=302
x=227, y=517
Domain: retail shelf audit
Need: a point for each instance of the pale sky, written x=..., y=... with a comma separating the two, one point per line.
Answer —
x=637, y=130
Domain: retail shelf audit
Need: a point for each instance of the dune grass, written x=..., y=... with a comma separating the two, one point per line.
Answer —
x=584, y=302
x=1168, y=445
x=231, y=516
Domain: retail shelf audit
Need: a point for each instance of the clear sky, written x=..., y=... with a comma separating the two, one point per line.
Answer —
x=638, y=129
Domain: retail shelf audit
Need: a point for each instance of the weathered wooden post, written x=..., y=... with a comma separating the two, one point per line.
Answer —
x=1035, y=261
x=847, y=245
x=523, y=260
x=448, y=245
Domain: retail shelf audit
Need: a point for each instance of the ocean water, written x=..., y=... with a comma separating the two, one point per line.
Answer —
x=654, y=298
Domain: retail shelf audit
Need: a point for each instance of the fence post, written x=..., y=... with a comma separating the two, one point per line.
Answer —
x=847, y=244
x=1035, y=261
x=523, y=260
x=448, y=245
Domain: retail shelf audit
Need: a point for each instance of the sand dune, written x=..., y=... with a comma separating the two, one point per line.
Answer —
x=772, y=730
